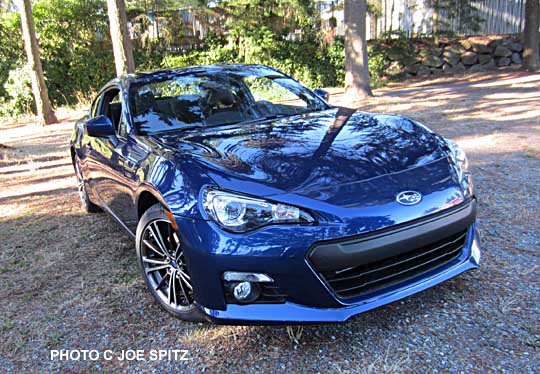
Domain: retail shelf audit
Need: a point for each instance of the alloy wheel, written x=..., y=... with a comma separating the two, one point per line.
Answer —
x=164, y=265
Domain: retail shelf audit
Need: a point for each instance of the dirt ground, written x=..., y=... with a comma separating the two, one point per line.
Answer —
x=70, y=280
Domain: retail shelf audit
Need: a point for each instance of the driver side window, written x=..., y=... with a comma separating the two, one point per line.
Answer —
x=111, y=106
x=95, y=107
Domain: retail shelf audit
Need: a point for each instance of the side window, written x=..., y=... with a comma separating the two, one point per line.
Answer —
x=94, y=107
x=111, y=106
x=122, y=129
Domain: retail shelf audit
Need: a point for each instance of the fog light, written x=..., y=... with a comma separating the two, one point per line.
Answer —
x=245, y=292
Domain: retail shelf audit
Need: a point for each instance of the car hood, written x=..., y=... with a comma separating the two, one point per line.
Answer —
x=308, y=152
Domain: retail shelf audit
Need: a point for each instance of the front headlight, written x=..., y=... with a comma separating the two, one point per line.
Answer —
x=238, y=213
x=461, y=163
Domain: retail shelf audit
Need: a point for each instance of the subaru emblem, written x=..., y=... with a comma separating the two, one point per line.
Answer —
x=408, y=197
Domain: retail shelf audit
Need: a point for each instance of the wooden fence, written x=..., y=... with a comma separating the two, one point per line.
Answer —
x=415, y=17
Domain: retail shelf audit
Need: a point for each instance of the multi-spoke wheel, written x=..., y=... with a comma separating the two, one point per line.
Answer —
x=87, y=205
x=163, y=265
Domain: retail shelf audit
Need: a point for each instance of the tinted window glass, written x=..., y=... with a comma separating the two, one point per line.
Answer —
x=122, y=128
x=95, y=106
x=216, y=97
x=111, y=106
x=115, y=113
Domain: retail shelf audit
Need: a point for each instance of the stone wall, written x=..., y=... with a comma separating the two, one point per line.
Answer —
x=423, y=58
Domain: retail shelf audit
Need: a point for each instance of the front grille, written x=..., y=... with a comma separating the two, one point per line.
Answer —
x=368, y=278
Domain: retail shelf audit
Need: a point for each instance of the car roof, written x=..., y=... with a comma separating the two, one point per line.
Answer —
x=127, y=79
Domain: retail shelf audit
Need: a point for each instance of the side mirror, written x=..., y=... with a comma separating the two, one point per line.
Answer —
x=323, y=94
x=100, y=127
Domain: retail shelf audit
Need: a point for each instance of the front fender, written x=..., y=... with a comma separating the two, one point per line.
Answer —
x=176, y=184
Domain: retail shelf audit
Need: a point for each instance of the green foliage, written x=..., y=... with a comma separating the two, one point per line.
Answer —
x=11, y=47
x=77, y=58
x=75, y=51
x=75, y=47
x=269, y=36
x=335, y=54
x=377, y=65
x=308, y=62
x=394, y=49
x=18, y=98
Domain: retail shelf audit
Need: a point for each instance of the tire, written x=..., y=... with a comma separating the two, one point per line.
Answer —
x=87, y=205
x=161, y=259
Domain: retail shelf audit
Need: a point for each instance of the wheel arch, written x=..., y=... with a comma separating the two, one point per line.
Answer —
x=146, y=197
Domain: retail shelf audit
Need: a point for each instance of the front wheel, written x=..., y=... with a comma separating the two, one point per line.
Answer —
x=163, y=265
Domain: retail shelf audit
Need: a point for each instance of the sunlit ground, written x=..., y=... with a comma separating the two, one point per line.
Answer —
x=70, y=280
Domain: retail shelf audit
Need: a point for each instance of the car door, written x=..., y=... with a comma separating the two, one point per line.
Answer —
x=93, y=155
x=116, y=160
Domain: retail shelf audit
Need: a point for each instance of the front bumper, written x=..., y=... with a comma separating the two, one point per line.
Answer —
x=282, y=252
x=295, y=313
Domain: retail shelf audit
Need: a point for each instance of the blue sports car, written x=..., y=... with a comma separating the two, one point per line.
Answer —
x=251, y=199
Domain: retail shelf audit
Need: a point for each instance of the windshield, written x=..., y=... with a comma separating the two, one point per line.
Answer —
x=217, y=96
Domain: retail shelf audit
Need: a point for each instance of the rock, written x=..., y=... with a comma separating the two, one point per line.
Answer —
x=459, y=68
x=447, y=68
x=516, y=58
x=431, y=51
x=456, y=48
x=449, y=52
x=436, y=71
x=482, y=48
x=394, y=68
x=504, y=61
x=469, y=58
x=394, y=54
x=451, y=57
x=476, y=68
x=495, y=43
x=515, y=47
x=490, y=64
x=465, y=44
x=423, y=71
x=454, y=60
x=432, y=61
x=411, y=59
x=502, y=51
x=484, y=59
x=412, y=69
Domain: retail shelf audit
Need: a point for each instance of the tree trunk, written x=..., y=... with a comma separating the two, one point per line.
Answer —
x=121, y=40
x=357, y=86
x=45, y=113
x=436, y=22
x=531, y=36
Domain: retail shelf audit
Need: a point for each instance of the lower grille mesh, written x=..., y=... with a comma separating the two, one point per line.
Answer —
x=359, y=280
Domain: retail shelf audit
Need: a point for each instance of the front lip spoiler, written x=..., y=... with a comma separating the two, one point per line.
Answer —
x=295, y=313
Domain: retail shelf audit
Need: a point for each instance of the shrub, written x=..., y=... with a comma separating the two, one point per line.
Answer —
x=18, y=99
x=306, y=61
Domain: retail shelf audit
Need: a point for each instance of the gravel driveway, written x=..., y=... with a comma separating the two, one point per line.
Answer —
x=70, y=281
